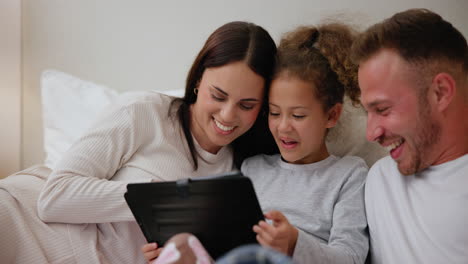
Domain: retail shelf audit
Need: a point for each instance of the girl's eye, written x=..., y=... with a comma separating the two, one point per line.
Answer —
x=298, y=116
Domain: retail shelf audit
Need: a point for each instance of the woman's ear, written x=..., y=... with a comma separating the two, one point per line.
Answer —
x=334, y=115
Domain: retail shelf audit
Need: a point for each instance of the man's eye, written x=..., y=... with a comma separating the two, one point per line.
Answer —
x=381, y=110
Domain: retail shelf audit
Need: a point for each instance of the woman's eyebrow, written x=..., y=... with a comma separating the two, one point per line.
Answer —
x=220, y=90
x=226, y=94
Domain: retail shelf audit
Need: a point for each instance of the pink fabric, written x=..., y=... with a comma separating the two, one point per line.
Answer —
x=170, y=254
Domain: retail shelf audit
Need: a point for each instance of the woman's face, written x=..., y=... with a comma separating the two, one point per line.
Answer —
x=228, y=101
x=297, y=120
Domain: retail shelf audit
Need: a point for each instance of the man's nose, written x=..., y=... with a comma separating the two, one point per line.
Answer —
x=374, y=129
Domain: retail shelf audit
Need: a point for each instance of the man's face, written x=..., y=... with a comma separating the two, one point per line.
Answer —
x=399, y=114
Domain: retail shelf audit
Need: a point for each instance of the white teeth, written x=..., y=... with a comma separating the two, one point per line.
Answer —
x=394, y=145
x=222, y=127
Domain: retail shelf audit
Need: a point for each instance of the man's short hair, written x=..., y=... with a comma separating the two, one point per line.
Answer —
x=419, y=36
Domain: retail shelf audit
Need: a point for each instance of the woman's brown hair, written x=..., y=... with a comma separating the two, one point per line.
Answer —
x=232, y=42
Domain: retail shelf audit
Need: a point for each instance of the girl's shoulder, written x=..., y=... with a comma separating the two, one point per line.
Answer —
x=350, y=167
x=260, y=161
x=351, y=161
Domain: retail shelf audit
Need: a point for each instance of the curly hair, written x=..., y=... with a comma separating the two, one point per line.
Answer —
x=321, y=55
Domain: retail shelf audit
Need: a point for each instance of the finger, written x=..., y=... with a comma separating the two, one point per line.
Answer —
x=148, y=247
x=262, y=241
x=158, y=251
x=256, y=228
x=277, y=217
x=267, y=228
x=262, y=233
x=150, y=255
x=265, y=243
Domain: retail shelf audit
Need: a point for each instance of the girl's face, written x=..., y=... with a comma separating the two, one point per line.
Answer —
x=297, y=120
x=228, y=101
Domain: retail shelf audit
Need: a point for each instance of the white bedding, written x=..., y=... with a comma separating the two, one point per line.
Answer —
x=24, y=237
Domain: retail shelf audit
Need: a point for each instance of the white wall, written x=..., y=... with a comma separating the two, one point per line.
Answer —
x=145, y=44
x=10, y=86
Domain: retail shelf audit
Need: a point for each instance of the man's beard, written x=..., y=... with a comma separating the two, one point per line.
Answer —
x=427, y=135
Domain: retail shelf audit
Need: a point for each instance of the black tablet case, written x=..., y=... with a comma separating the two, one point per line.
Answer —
x=220, y=211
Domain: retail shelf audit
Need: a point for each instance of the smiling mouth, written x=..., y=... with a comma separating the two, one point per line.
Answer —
x=394, y=145
x=223, y=127
x=288, y=144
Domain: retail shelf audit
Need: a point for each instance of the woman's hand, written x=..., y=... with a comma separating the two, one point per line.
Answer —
x=280, y=235
x=151, y=251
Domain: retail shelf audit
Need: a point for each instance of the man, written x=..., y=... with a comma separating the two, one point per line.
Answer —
x=413, y=75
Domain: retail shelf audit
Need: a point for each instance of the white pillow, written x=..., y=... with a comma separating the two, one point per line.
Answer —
x=69, y=106
x=349, y=136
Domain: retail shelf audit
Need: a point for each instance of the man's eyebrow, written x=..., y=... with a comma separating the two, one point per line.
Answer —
x=375, y=103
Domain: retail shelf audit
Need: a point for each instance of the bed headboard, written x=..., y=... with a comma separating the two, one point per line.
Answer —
x=143, y=44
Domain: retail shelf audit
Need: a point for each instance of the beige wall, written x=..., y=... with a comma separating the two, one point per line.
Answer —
x=10, y=86
x=146, y=44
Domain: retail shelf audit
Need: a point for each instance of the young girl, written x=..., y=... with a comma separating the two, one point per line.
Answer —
x=314, y=201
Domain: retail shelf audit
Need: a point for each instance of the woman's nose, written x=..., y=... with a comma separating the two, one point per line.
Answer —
x=228, y=113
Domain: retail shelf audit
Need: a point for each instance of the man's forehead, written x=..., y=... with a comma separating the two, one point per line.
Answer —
x=386, y=60
x=382, y=78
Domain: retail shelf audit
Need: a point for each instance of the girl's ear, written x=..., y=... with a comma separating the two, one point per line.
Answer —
x=334, y=114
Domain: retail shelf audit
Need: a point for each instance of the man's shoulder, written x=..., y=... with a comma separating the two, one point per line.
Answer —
x=382, y=169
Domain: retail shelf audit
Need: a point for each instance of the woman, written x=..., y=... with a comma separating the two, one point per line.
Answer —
x=158, y=138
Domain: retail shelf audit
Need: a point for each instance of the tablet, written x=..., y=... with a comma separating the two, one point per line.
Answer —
x=219, y=210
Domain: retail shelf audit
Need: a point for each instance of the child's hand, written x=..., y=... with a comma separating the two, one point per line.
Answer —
x=281, y=235
x=151, y=251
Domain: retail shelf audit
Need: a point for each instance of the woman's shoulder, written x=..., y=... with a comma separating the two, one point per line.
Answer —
x=143, y=103
x=143, y=98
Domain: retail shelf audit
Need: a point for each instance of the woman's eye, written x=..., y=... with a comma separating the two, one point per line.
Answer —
x=217, y=98
x=246, y=107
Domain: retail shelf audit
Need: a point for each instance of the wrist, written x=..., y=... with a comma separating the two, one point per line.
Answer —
x=293, y=241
